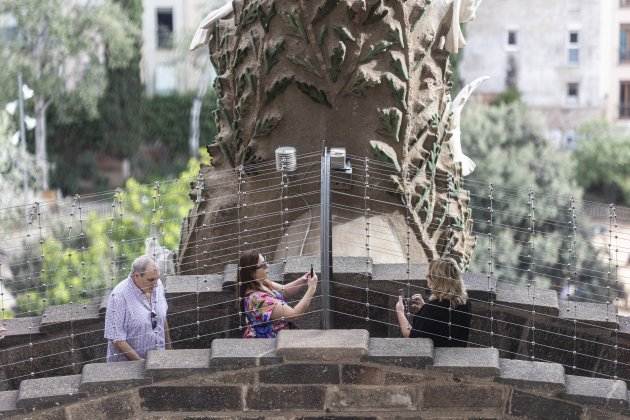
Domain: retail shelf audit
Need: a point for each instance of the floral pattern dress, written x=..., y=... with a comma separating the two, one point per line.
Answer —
x=258, y=307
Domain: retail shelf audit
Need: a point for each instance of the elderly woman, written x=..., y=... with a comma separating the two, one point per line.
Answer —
x=446, y=317
x=263, y=301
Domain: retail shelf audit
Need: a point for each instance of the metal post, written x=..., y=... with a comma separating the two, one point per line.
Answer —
x=325, y=239
x=22, y=133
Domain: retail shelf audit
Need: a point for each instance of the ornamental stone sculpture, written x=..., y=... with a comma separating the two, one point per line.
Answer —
x=372, y=76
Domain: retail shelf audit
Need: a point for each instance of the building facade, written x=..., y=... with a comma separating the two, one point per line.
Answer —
x=561, y=58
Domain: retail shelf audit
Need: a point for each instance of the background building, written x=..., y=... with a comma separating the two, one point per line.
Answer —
x=562, y=60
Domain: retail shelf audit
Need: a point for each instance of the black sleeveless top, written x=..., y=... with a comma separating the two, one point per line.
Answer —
x=447, y=326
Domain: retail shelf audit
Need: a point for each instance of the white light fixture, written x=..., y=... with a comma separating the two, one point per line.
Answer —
x=11, y=107
x=30, y=122
x=286, y=159
x=27, y=91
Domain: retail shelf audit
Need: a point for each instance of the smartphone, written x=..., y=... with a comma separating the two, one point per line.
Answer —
x=312, y=273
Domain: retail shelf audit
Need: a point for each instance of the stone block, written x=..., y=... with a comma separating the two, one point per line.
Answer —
x=398, y=272
x=300, y=374
x=120, y=406
x=238, y=353
x=108, y=377
x=166, y=363
x=102, y=307
x=372, y=398
x=523, y=373
x=230, y=274
x=544, y=301
x=536, y=407
x=462, y=396
x=191, y=398
x=297, y=266
x=590, y=314
x=8, y=401
x=479, y=287
x=362, y=375
x=603, y=392
x=56, y=316
x=275, y=397
x=404, y=352
x=322, y=345
x=21, y=328
x=186, y=285
x=47, y=392
x=482, y=362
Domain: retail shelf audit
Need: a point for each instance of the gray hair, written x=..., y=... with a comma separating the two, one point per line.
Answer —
x=141, y=264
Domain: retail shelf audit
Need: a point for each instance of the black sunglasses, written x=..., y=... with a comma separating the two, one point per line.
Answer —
x=153, y=320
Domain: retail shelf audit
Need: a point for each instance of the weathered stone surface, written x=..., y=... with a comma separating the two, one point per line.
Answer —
x=46, y=392
x=108, y=377
x=479, y=287
x=275, y=397
x=230, y=274
x=536, y=407
x=463, y=396
x=362, y=375
x=75, y=312
x=191, y=398
x=549, y=376
x=544, y=301
x=235, y=353
x=7, y=402
x=405, y=352
x=300, y=265
x=119, y=406
x=300, y=374
x=21, y=326
x=371, y=398
x=399, y=272
x=590, y=313
x=192, y=284
x=605, y=392
x=323, y=345
x=165, y=363
x=467, y=361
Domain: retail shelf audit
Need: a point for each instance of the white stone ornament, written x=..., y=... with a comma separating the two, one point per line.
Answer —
x=202, y=34
x=11, y=107
x=456, y=107
x=463, y=11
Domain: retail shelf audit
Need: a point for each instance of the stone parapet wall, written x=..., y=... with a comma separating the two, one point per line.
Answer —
x=201, y=308
x=348, y=375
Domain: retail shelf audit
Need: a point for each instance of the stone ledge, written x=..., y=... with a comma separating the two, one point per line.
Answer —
x=183, y=285
x=238, y=353
x=108, y=377
x=545, y=301
x=389, y=272
x=55, y=316
x=523, y=373
x=22, y=326
x=165, y=363
x=404, y=352
x=47, y=392
x=478, y=287
x=595, y=314
x=8, y=401
x=603, y=392
x=482, y=362
x=322, y=345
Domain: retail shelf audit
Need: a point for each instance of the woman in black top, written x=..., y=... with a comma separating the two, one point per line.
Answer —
x=446, y=317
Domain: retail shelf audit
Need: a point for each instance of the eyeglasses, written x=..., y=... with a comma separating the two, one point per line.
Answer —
x=153, y=320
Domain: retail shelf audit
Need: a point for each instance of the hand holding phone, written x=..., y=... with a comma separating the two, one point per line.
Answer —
x=312, y=273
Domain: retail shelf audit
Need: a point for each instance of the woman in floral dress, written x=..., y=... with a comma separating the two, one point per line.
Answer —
x=263, y=301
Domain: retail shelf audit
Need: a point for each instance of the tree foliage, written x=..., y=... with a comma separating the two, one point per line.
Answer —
x=511, y=153
x=603, y=161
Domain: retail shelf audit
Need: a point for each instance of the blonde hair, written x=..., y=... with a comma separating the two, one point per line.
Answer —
x=446, y=282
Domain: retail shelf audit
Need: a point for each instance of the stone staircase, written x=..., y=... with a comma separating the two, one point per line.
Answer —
x=312, y=373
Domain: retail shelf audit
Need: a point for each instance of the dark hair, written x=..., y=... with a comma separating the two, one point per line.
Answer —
x=246, y=274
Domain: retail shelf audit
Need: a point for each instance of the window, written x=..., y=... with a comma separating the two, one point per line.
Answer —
x=512, y=38
x=573, y=90
x=165, y=28
x=574, y=47
x=624, y=100
x=624, y=44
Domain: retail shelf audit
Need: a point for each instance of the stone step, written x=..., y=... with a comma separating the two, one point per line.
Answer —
x=8, y=401
x=542, y=301
x=529, y=374
x=482, y=362
x=322, y=345
x=166, y=363
x=588, y=314
x=405, y=352
x=236, y=353
x=98, y=378
x=58, y=317
x=48, y=392
x=603, y=392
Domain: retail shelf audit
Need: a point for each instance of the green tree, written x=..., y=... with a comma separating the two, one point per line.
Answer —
x=58, y=47
x=511, y=153
x=603, y=161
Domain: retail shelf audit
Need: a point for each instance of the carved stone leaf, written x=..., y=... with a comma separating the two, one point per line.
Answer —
x=315, y=94
x=399, y=67
x=321, y=36
x=361, y=83
x=336, y=60
x=324, y=10
x=391, y=119
x=265, y=18
x=305, y=63
x=272, y=55
x=265, y=126
x=399, y=90
x=344, y=34
x=387, y=151
x=277, y=88
x=376, y=13
x=295, y=23
x=376, y=49
x=249, y=16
